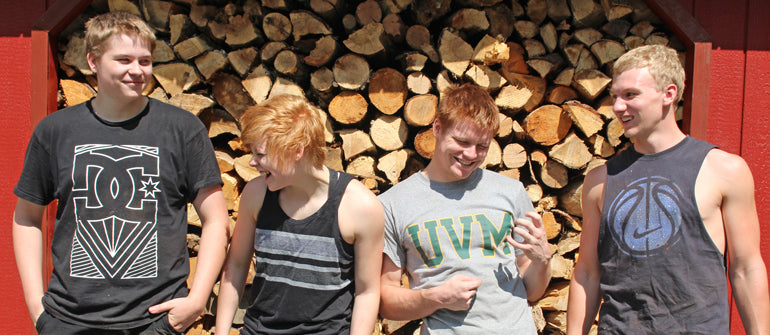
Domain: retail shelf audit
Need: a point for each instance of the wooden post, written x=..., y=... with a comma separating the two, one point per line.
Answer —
x=44, y=88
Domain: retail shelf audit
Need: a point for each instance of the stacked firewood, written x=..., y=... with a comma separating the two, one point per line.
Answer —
x=378, y=67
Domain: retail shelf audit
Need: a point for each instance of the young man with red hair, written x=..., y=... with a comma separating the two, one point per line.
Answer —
x=451, y=228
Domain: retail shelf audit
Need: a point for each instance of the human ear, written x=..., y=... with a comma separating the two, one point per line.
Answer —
x=436, y=127
x=91, y=61
x=669, y=93
x=300, y=153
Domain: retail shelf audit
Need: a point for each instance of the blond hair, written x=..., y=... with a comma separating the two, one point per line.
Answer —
x=285, y=124
x=468, y=102
x=662, y=63
x=100, y=28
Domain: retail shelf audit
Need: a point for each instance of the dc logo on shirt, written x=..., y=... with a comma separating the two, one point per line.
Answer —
x=114, y=191
x=645, y=217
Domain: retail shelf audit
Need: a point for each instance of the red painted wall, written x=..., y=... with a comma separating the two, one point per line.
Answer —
x=16, y=19
x=739, y=116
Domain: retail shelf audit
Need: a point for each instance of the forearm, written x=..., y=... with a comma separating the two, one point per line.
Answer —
x=750, y=291
x=399, y=303
x=28, y=249
x=536, y=278
x=365, y=308
x=230, y=292
x=583, y=303
x=211, y=254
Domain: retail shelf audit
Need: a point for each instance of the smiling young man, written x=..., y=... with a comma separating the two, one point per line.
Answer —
x=122, y=168
x=662, y=218
x=450, y=227
x=316, y=233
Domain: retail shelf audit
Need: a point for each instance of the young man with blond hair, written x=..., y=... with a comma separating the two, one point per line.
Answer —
x=122, y=168
x=450, y=228
x=316, y=233
x=663, y=218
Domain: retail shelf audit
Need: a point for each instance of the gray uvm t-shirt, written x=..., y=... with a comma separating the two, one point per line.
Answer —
x=437, y=230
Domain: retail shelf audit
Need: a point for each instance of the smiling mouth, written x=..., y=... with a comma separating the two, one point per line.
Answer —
x=462, y=162
x=626, y=119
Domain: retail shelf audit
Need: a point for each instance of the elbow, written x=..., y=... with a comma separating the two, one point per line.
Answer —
x=387, y=312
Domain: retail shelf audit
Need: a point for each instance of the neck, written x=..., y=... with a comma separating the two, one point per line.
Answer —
x=310, y=181
x=114, y=110
x=438, y=173
x=659, y=141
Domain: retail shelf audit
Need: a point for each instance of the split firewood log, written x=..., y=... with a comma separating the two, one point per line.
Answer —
x=388, y=132
x=387, y=90
x=420, y=110
x=348, y=107
x=547, y=125
x=572, y=152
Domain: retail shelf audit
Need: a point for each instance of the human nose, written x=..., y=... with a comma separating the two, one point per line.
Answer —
x=135, y=68
x=253, y=162
x=471, y=152
x=618, y=106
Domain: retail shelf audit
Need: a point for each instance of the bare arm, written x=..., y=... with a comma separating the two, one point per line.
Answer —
x=361, y=213
x=28, y=249
x=212, y=210
x=535, y=263
x=399, y=303
x=239, y=255
x=584, y=295
x=748, y=275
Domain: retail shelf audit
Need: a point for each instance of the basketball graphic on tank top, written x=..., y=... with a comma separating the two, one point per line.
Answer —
x=646, y=216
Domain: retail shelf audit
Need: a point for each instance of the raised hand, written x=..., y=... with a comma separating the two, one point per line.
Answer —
x=534, y=242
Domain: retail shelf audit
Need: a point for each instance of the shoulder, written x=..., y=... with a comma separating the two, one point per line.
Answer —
x=170, y=111
x=359, y=198
x=495, y=178
x=252, y=196
x=726, y=172
x=593, y=183
x=725, y=162
x=402, y=188
x=360, y=213
x=67, y=114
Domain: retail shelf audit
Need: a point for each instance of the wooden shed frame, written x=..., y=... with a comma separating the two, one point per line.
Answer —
x=44, y=86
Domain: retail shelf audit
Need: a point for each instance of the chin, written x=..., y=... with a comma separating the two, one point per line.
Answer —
x=462, y=173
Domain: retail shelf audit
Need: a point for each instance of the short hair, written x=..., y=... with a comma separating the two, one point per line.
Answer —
x=661, y=61
x=468, y=102
x=286, y=124
x=100, y=28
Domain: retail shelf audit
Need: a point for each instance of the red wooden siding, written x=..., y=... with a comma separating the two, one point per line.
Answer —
x=15, y=21
x=738, y=116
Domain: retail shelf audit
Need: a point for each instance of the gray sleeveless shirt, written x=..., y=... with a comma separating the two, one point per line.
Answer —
x=661, y=272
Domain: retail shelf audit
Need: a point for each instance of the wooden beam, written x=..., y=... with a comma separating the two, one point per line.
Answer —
x=698, y=67
x=44, y=87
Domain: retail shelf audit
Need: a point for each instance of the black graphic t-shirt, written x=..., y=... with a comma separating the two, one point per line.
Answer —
x=119, y=242
x=661, y=272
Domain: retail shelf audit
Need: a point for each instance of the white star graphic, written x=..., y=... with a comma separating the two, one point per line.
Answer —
x=149, y=188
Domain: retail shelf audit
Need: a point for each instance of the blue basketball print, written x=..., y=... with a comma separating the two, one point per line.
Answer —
x=646, y=216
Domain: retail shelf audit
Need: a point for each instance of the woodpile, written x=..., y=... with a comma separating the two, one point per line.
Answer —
x=377, y=67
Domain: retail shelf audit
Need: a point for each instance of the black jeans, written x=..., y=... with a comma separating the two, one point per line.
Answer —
x=49, y=325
